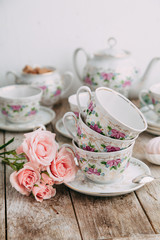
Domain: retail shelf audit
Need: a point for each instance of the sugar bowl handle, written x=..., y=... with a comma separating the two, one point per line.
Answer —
x=16, y=77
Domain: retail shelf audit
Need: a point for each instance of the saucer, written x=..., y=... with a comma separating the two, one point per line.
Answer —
x=61, y=129
x=83, y=185
x=153, y=131
x=44, y=116
x=151, y=117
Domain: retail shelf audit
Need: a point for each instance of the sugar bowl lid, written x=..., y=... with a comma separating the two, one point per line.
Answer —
x=112, y=50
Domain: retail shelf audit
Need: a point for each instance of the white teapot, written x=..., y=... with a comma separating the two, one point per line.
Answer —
x=113, y=68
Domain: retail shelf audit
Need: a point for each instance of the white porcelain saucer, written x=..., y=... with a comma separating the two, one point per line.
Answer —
x=151, y=117
x=84, y=185
x=61, y=129
x=44, y=116
x=153, y=131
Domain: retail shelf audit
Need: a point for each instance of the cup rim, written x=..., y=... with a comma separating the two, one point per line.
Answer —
x=38, y=94
x=103, y=153
x=106, y=137
x=128, y=101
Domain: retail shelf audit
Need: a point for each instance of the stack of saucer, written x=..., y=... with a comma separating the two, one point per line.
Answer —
x=151, y=100
x=105, y=134
x=152, y=119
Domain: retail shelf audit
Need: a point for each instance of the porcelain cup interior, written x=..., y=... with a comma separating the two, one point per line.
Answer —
x=90, y=140
x=154, y=97
x=20, y=103
x=103, y=167
x=83, y=97
x=113, y=114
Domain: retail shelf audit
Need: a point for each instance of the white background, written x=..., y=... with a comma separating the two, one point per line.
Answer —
x=46, y=32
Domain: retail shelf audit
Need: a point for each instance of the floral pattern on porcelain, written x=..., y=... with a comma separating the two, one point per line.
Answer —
x=20, y=113
x=103, y=168
x=92, y=170
x=107, y=126
x=94, y=142
x=110, y=78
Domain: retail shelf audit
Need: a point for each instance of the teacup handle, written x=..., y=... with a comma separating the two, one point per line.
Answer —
x=83, y=89
x=143, y=93
x=72, y=115
x=16, y=78
x=67, y=76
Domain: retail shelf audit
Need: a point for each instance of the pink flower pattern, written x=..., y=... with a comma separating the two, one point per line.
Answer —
x=16, y=107
x=107, y=76
x=96, y=128
x=88, y=148
x=90, y=107
x=79, y=131
x=88, y=80
x=93, y=171
x=58, y=92
x=112, y=149
x=43, y=87
x=117, y=134
x=112, y=163
x=126, y=83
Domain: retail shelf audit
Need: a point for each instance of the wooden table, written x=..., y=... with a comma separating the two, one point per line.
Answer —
x=74, y=216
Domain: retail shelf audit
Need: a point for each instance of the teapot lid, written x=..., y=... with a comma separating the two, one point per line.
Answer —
x=112, y=51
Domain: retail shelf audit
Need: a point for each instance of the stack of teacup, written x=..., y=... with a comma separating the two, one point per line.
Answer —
x=105, y=133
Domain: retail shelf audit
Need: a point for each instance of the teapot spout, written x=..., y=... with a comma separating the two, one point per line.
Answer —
x=148, y=69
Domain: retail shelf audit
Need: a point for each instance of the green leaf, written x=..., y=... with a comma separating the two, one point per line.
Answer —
x=103, y=145
x=98, y=123
x=6, y=144
x=99, y=170
x=109, y=128
x=118, y=165
x=103, y=162
x=96, y=114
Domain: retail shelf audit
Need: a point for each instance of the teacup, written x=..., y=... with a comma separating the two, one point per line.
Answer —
x=19, y=103
x=101, y=167
x=83, y=98
x=90, y=140
x=53, y=84
x=112, y=114
x=154, y=95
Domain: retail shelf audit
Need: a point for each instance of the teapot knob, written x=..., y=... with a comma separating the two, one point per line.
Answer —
x=112, y=42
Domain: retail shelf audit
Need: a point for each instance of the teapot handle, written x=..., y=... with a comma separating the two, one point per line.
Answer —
x=68, y=77
x=16, y=78
x=150, y=65
x=75, y=61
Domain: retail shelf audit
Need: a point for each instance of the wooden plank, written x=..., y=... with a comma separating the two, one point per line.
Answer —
x=101, y=218
x=137, y=237
x=149, y=195
x=2, y=195
x=28, y=219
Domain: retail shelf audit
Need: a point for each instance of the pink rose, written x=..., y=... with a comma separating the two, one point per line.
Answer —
x=63, y=168
x=42, y=191
x=39, y=146
x=24, y=180
x=46, y=179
